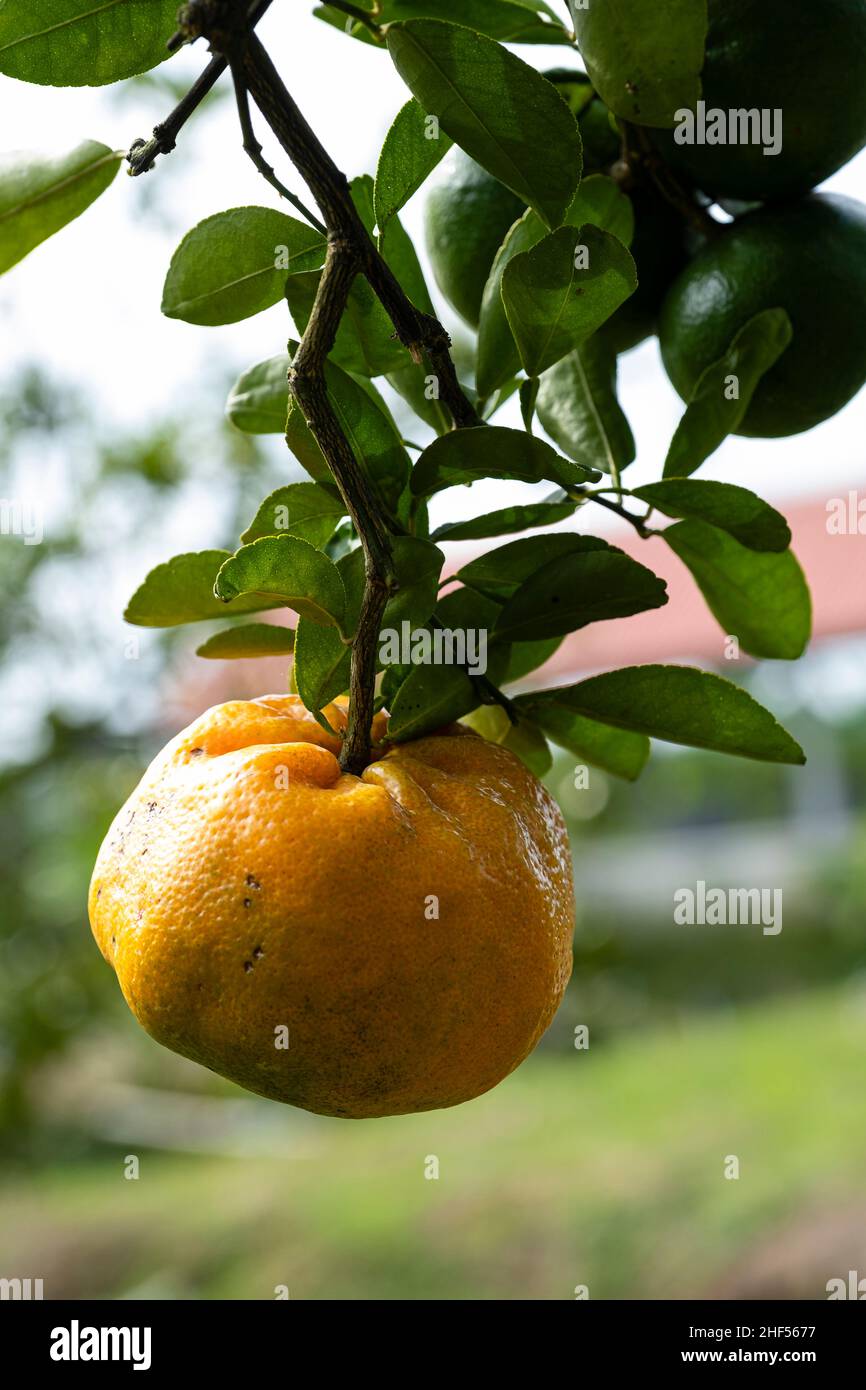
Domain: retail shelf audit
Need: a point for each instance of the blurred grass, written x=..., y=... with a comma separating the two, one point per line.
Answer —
x=603, y=1168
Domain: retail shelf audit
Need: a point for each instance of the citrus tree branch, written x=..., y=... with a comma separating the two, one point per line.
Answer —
x=308, y=387
x=143, y=154
x=420, y=333
x=226, y=24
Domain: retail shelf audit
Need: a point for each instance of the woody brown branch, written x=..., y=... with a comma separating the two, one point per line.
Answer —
x=351, y=251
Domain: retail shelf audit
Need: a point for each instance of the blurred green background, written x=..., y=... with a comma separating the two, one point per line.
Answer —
x=601, y=1166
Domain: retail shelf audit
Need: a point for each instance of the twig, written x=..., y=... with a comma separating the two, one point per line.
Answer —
x=362, y=16
x=253, y=148
x=640, y=152
x=420, y=333
x=143, y=154
x=584, y=495
x=307, y=384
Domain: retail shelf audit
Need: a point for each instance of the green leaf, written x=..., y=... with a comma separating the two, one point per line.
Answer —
x=560, y=292
x=80, y=43
x=398, y=250
x=751, y=521
x=508, y=520
x=680, y=704
x=614, y=750
x=259, y=400
x=298, y=509
x=322, y=665
x=433, y=695
x=598, y=201
x=182, y=591
x=509, y=21
x=760, y=598
x=413, y=147
x=499, y=574
x=502, y=112
x=39, y=194
x=236, y=263
x=367, y=424
x=524, y=657
x=254, y=639
x=417, y=568
x=713, y=412
x=644, y=59
x=524, y=739
x=572, y=591
x=412, y=382
x=489, y=451
x=430, y=697
x=295, y=572
x=579, y=408
x=322, y=658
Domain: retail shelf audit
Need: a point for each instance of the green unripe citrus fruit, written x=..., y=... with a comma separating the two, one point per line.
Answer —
x=467, y=216
x=807, y=257
x=804, y=59
x=469, y=212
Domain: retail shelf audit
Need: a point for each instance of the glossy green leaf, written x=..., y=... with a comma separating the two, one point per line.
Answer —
x=579, y=408
x=574, y=590
x=509, y=520
x=499, y=573
x=367, y=424
x=182, y=591
x=509, y=21
x=418, y=390
x=524, y=657
x=680, y=704
x=760, y=598
x=292, y=570
x=433, y=695
x=236, y=263
x=560, y=292
x=413, y=147
x=644, y=58
x=251, y=640
x=502, y=112
x=725, y=390
x=600, y=202
x=614, y=750
x=322, y=658
x=490, y=451
x=322, y=665
x=83, y=43
x=39, y=194
x=298, y=509
x=259, y=400
x=751, y=521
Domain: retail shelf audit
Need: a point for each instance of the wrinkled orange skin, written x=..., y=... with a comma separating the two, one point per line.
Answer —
x=248, y=884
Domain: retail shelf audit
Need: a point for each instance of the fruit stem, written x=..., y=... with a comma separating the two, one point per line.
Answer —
x=640, y=155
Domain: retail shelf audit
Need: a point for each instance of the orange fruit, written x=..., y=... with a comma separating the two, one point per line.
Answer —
x=407, y=932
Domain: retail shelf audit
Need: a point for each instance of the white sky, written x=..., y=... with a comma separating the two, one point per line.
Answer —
x=87, y=302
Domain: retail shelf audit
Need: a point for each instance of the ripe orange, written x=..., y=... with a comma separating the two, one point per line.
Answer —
x=407, y=931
